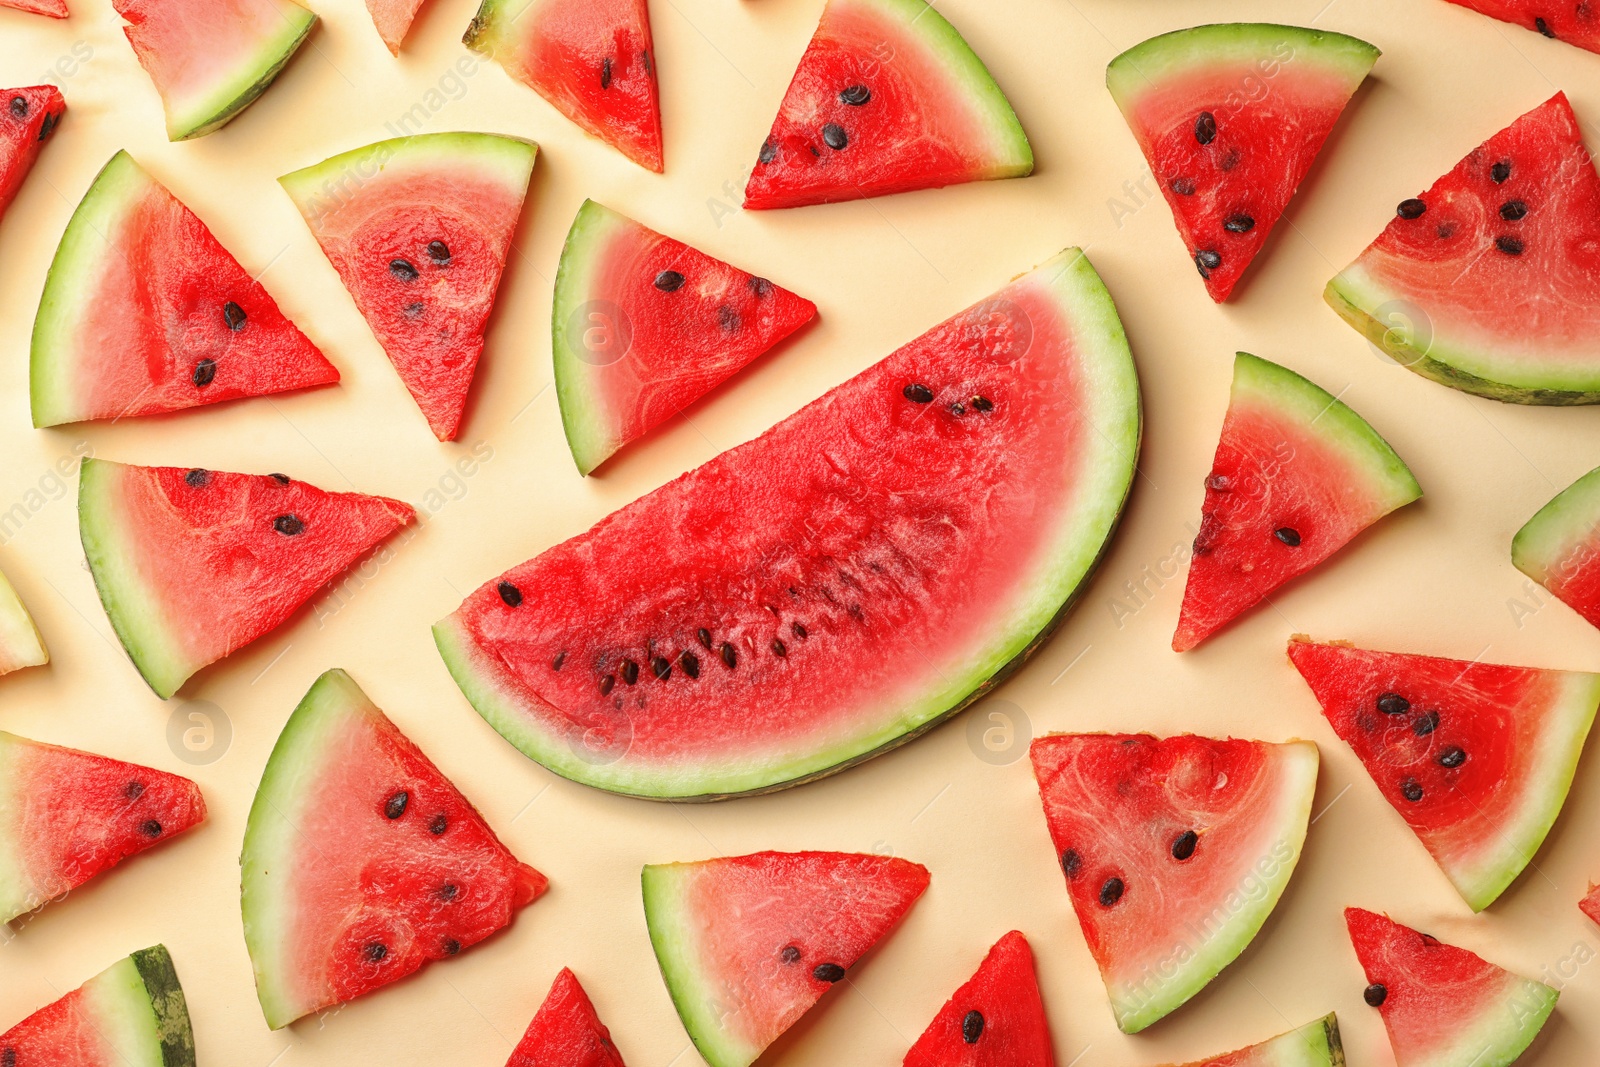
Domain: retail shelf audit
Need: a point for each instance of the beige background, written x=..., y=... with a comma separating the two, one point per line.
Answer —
x=1435, y=578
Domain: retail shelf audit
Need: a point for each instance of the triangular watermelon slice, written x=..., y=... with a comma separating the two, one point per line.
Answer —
x=1489, y=282
x=1296, y=477
x=1590, y=904
x=20, y=642
x=1314, y=1045
x=1476, y=757
x=130, y=1015
x=1155, y=836
x=748, y=944
x=420, y=229
x=887, y=98
x=1230, y=118
x=27, y=119
x=362, y=862
x=56, y=9
x=1575, y=21
x=67, y=816
x=644, y=326
x=1560, y=546
x=566, y=1032
x=995, y=1020
x=592, y=59
x=192, y=565
x=1444, y=1006
x=144, y=312
x=393, y=19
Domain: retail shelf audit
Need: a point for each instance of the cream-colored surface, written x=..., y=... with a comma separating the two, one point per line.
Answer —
x=1436, y=577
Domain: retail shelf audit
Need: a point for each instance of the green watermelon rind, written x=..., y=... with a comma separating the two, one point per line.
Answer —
x=1087, y=306
x=1147, y=64
x=21, y=644
x=589, y=439
x=1505, y=1029
x=137, y=1007
x=241, y=88
x=1317, y=1044
x=1568, y=522
x=342, y=175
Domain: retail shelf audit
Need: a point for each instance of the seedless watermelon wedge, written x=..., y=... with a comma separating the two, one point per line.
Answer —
x=1313, y=1045
x=592, y=59
x=420, y=229
x=1444, y=1006
x=643, y=326
x=1560, y=546
x=362, y=863
x=887, y=98
x=131, y=1015
x=1156, y=837
x=27, y=119
x=1231, y=117
x=192, y=565
x=1576, y=21
x=393, y=19
x=211, y=59
x=144, y=312
x=67, y=816
x=1297, y=476
x=1489, y=282
x=1476, y=757
x=1590, y=905
x=566, y=1032
x=56, y=9
x=747, y=945
x=750, y=625
x=995, y=1020
x=20, y=642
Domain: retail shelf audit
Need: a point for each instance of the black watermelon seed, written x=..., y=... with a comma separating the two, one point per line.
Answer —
x=1411, y=209
x=1239, y=224
x=728, y=319
x=972, y=1027
x=1288, y=535
x=761, y=287
x=1500, y=172
x=605, y=73
x=451, y=946
x=729, y=656
x=509, y=593
x=704, y=635
x=1183, y=845
x=289, y=525
x=1111, y=892
x=47, y=125
x=375, y=952
x=1454, y=756
x=403, y=269
x=790, y=954
x=690, y=663
x=649, y=64
x=19, y=106
x=1446, y=230
x=779, y=649
x=439, y=252
x=233, y=315
x=799, y=629
x=1205, y=128
x=1071, y=862
x=8, y=1058
x=828, y=972
x=438, y=825
x=151, y=828
x=1375, y=994
x=917, y=393
x=1544, y=27
x=1426, y=723
x=561, y=658
x=669, y=281
x=1218, y=483
x=204, y=372
x=281, y=479
x=133, y=790
x=1393, y=704
x=1181, y=186
x=856, y=95
x=449, y=891
x=197, y=478
x=395, y=806
x=958, y=409
x=769, y=152
x=1513, y=210
x=660, y=667
x=1207, y=260
x=607, y=684
x=834, y=137
x=982, y=404
x=1411, y=789
x=1229, y=161
x=629, y=671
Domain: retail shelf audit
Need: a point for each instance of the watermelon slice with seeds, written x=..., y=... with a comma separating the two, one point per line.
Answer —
x=27, y=119
x=1231, y=118
x=420, y=230
x=1489, y=282
x=887, y=98
x=1444, y=1006
x=56, y=9
x=1560, y=546
x=131, y=1015
x=1476, y=757
x=643, y=326
x=192, y=565
x=144, y=313
x=67, y=816
x=1313, y=1045
x=362, y=862
x=748, y=626
x=1296, y=477
x=20, y=642
x=593, y=60
x=1156, y=836
x=566, y=1032
x=749, y=944
x=995, y=1020
x=1574, y=21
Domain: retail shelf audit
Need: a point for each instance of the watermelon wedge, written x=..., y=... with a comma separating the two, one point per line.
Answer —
x=995, y=1020
x=887, y=98
x=393, y=19
x=144, y=312
x=20, y=642
x=593, y=60
x=566, y=1032
x=67, y=816
x=130, y=1015
x=1590, y=904
x=1444, y=1006
x=1576, y=21
x=1156, y=837
x=420, y=229
x=1230, y=118
x=1560, y=546
x=1477, y=758
x=56, y=9
x=192, y=565
x=1489, y=282
x=211, y=59
x=748, y=944
x=750, y=625
x=1297, y=476
x=643, y=326
x=27, y=119
x=1313, y=1045
x=362, y=863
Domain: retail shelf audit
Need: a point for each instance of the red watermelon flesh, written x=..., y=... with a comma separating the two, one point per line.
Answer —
x=56, y=9
x=1560, y=546
x=566, y=1032
x=1590, y=904
x=393, y=19
x=133, y=1014
x=995, y=1020
x=1574, y=21
x=67, y=816
x=27, y=119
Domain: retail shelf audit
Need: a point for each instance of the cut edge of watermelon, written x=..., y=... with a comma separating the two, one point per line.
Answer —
x=55, y=9
x=21, y=643
x=137, y=1006
x=1166, y=54
x=1546, y=543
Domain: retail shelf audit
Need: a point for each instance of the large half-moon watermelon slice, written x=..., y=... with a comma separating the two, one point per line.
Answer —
x=21, y=644
x=144, y=312
x=67, y=816
x=887, y=98
x=1156, y=837
x=1574, y=21
x=1316, y=1044
x=1476, y=757
x=1444, y=1006
x=420, y=229
x=643, y=326
x=995, y=1020
x=362, y=862
x=837, y=586
x=1489, y=282
x=56, y=9
x=130, y=1015
x=748, y=944
x=566, y=1032
x=27, y=119
x=192, y=565
x=1296, y=477
x=1560, y=546
x=592, y=59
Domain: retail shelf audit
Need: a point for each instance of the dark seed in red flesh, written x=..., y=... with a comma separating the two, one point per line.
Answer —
x=629, y=671
x=1288, y=536
x=395, y=806
x=828, y=972
x=1426, y=724
x=917, y=393
x=1229, y=161
x=1207, y=260
x=375, y=952
x=289, y=525
x=233, y=315
x=281, y=479
x=449, y=891
x=1071, y=862
x=1513, y=210
x=1453, y=756
x=1111, y=892
x=958, y=409
x=451, y=946
x=728, y=319
x=19, y=106
x=150, y=829
x=1446, y=231
x=1205, y=128
x=1183, y=845
x=8, y=1058
x=779, y=649
x=834, y=137
x=1182, y=186
x=439, y=252
x=790, y=954
x=705, y=636
x=1411, y=209
x=204, y=372
x=605, y=73
x=798, y=629
x=1544, y=27
x=972, y=1027
x=1239, y=224
x=856, y=95
x=403, y=269
x=1500, y=172
x=729, y=656
x=660, y=667
x=509, y=593
x=607, y=684
x=761, y=287
x=769, y=152
x=1375, y=994
x=690, y=663
x=561, y=658
x=438, y=825
x=649, y=64
x=133, y=790
x=197, y=479
x=1218, y=483
x=47, y=125
x=1393, y=704
x=1411, y=789
x=982, y=404
x=669, y=281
